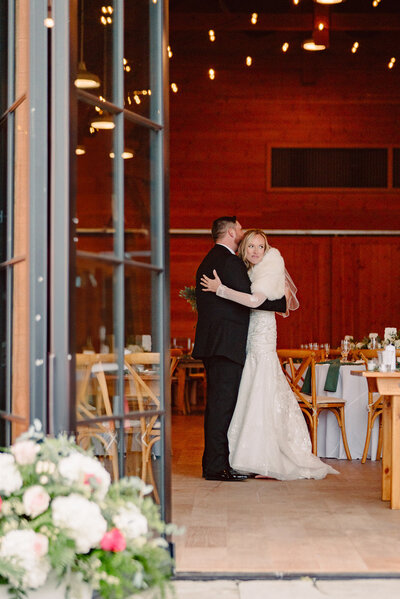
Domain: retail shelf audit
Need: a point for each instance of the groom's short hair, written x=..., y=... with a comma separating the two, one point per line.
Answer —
x=221, y=225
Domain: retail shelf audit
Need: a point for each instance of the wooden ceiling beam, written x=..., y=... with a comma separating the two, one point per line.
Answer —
x=180, y=21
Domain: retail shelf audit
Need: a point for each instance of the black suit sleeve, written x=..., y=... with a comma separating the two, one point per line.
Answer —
x=278, y=305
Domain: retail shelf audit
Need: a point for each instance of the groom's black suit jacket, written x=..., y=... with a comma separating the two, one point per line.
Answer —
x=222, y=324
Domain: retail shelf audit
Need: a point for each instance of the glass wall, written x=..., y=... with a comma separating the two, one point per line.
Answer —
x=121, y=328
x=84, y=330
x=14, y=207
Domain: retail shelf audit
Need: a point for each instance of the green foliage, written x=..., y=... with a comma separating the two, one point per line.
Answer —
x=189, y=294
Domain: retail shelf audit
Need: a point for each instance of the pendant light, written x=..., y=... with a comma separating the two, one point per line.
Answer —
x=84, y=79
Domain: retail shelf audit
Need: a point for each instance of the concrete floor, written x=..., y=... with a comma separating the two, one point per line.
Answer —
x=306, y=588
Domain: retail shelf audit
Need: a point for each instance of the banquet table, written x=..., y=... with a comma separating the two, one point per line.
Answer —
x=354, y=390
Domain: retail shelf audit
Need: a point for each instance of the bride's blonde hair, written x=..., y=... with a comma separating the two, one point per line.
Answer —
x=247, y=239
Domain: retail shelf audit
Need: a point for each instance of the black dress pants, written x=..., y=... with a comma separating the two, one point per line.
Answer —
x=223, y=380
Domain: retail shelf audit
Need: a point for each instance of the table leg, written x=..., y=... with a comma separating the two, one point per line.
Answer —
x=395, y=487
x=180, y=396
x=387, y=449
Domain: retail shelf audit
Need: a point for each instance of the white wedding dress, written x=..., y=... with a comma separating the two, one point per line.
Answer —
x=268, y=434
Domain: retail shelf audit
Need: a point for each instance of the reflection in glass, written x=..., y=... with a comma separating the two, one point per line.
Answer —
x=139, y=334
x=94, y=306
x=137, y=193
x=94, y=68
x=94, y=198
x=138, y=93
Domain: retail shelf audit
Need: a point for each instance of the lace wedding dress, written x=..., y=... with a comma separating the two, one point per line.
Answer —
x=268, y=434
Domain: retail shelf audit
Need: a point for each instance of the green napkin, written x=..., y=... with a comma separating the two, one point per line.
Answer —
x=332, y=377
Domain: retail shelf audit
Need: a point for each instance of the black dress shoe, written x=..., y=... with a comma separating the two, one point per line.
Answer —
x=237, y=473
x=225, y=476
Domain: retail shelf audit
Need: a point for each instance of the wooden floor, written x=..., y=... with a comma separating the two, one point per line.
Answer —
x=335, y=525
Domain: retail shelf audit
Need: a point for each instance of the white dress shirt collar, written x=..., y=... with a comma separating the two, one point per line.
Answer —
x=228, y=248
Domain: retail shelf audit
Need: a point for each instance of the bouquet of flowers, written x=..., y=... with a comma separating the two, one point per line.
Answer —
x=61, y=516
x=189, y=294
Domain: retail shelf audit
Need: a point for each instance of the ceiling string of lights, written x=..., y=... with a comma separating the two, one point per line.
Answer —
x=318, y=42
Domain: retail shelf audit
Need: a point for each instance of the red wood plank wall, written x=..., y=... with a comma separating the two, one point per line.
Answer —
x=220, y=133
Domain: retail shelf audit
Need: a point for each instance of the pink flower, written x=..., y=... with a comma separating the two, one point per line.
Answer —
x=36, y=501
x=113, y=540
x=25, y=452
x=1, y=503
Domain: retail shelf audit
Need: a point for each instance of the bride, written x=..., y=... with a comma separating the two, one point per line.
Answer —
x=268, y=435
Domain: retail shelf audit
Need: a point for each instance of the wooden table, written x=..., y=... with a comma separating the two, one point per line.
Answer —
x=183, y=366
x=388, y=385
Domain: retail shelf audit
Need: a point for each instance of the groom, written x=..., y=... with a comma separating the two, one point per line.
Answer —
x=220, y=341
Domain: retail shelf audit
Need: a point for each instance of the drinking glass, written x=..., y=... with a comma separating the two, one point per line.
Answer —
x=345, y=348
x=326, y=348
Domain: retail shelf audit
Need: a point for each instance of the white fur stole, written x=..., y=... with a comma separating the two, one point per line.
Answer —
x=268, y=276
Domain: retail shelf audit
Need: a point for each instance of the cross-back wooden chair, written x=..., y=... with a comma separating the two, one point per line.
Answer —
x=93, y=400
x=375, y=406
x=141, y=391
x=295, y=364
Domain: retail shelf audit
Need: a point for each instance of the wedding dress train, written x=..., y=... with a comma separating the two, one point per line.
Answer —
x=268, y=434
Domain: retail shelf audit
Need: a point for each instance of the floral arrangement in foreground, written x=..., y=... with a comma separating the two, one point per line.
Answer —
x=60, y=516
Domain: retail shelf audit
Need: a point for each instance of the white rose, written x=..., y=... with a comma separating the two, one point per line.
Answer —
x=36, y=501
x=27, y=549
x=82, y=469
x=81, y=519
x=25, y=452
x=131, y=521
x=10, y=479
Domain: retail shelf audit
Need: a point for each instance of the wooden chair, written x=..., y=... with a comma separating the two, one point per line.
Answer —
x=93, y=400
x=295, y=364
x=375, y=406
x=148, y=426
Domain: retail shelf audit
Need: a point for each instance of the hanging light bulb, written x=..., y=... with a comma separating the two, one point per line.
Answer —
x=105, y=121
x=312, y=46
x=80, y=150
x=355, y=47
x=211, y=35
x=254, y=18
x=249, y=61
x=295, y=2
x=84, y=79
x=174, y=87
x=285, y=47
x=170, y=55
x=391, y=63
x=211, y=74
x=328, y=1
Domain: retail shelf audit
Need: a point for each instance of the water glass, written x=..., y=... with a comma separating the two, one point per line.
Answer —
x=345, y=348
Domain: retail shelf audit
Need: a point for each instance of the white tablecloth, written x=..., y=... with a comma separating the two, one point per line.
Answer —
x=354, y=390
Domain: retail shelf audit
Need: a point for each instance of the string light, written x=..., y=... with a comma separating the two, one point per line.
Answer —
x=80, y=150
x=211, y=34
x=375, y=3
x=285, y=47
x=170, y=55
x=211, y=74
x=391, y=63
x=174, y=87
x=249, y=61
x=295, y=2
x=355, y=47
x=137, y=99
x=48, y=22
x=321, y=26
x=105, y=18
x=254, y=18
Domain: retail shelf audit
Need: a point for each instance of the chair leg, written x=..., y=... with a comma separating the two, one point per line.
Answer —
x=380, y=439
x=314, y=433
x=344, y=436
x=368, y=437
